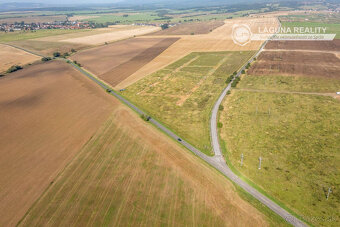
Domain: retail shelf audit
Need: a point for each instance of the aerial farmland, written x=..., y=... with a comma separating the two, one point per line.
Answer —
x=179, y=113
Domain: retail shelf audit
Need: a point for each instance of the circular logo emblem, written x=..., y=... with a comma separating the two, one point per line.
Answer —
x=241, y=34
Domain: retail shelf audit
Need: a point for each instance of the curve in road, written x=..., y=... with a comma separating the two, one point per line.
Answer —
x=216, y=161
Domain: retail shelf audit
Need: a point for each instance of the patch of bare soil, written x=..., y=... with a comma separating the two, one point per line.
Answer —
x=297, y=63
x=305, y=45
x=48, y=112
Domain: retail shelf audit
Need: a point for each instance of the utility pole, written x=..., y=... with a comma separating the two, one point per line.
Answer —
x=260, y=160
x=242, y=159
x=329, y=191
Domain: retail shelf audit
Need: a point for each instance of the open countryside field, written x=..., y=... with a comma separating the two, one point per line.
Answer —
x=11, y=56
x=297, y=137
x=330, y=28
x=324, y=46
x=25, y=35
x=297, y=63
x=218, y=40
x=116, y=62
x=47, y=48
x=191, y=28
x=182, y=95
x=33, y=19
x=48, y=112
x=113, y=36
x=153, y=182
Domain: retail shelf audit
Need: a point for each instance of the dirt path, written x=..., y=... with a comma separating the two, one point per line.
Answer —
x=185, y=97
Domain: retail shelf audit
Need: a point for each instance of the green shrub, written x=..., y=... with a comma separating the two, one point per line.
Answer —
x=73, y=50
x=164, y=26
x=46, y=59
x=219, y=125
x=145, y=117
x=243, y=71
x=14, y=68
x=56, y=54
x=221, y=107
x=77, y=63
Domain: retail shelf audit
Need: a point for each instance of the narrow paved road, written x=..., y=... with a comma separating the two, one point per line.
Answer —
x=216, y=161
x=20, y=48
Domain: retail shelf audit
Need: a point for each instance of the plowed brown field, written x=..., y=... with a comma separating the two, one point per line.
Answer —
x=297, y=63
x=219, y=39
x=305, y=45
x=117, y=61
x=48, y=112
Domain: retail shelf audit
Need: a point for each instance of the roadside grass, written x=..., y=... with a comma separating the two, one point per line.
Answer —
x=330, y=28
x=182, y=100
x=297, y=137
x=290, y=83
x=140, y=186
x=24, y=35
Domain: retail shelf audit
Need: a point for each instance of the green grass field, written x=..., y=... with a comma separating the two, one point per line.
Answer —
x=313, y=17
x=182, y=95
x=133, y=17
x=24, y=35
x=297, y=137
x=330, y=28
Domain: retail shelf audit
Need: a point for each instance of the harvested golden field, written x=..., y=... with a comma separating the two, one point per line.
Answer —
x=86, y=33
x=218, y=40
x=191, y=28
x=48, y=112
x=125, y=33
x=129, y=174
x=12, y=56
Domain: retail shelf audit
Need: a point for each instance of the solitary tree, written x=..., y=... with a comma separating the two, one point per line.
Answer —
x=164, y=26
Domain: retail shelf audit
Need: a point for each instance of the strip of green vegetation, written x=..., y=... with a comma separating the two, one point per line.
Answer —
x=125, y=18
x=24, y=35
x=313, y=17
x=290, y=83
x=297, y=137
x=330, y=28
x=182, y=98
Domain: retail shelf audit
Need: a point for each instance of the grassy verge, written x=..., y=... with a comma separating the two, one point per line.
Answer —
x=182, y=95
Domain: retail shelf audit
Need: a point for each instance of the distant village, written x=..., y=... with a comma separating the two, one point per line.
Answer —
x=22, y=26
